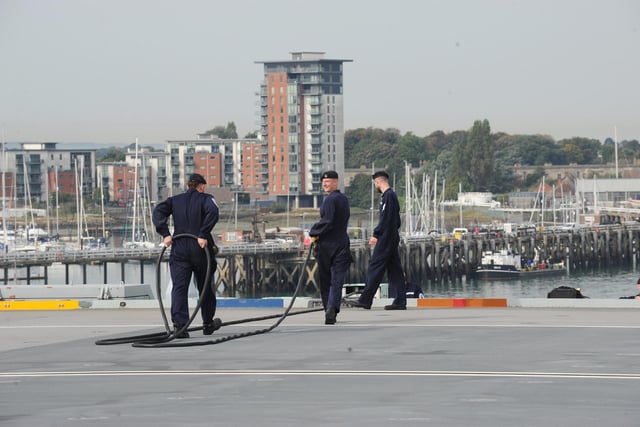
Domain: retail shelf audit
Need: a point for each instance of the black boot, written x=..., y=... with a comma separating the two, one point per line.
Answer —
x=330, y=316
x=176, y=329
x=209, y=328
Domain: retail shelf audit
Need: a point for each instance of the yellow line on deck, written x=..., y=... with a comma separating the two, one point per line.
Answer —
x=7, y=305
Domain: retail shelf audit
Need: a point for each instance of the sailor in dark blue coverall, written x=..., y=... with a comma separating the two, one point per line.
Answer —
x=194, y=212
x=385, y=257
x=333, y=252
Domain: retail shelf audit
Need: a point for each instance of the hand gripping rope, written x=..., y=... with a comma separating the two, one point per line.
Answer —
x=165, y=339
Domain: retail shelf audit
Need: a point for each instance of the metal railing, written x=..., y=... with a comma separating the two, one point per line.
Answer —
x=37, y=257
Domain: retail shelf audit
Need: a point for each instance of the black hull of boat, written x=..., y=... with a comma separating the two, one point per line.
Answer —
x=495, y=274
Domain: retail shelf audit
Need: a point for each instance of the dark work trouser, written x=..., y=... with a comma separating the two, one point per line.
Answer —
x=385, y=257
x=333, y=264
x=181, y=272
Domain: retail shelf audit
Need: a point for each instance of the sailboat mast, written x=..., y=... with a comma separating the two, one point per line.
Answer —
x=78, y=213
x=57, y=205
x=615, y=139
x=4, y=199
x=85, y=223
x=373, y=166
x=435, y=200
x=101, y=200
x=135, y=192
x=48, y=205
x=408, y=202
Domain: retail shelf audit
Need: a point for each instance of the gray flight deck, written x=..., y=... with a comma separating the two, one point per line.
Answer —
x=512, y=366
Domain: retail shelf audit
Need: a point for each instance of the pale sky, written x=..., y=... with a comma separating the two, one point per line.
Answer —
x=112, y=70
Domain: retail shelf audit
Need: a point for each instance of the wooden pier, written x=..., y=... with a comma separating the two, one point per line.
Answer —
x=252, y=270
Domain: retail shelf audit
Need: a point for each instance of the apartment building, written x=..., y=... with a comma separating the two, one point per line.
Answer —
x=302, y=125
x=223, y=162
x=41, y=169
x=117, y=183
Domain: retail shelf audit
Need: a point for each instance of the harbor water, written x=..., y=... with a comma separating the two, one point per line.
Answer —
x=601, y=283
x=604, y=283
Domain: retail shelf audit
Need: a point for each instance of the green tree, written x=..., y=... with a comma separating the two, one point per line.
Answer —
x=608, y=154
x=472, y=163
x=629, y=151
x=531, y=150
x=368, y=146
x=111, y=154
x=222, y=132
x=251, y=135
x=412, y=149
x=583, y=151
x=457, y=173
x=480, y=151
x=359, y=191
x=534, y=178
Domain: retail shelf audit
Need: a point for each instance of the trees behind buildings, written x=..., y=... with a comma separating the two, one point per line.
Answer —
x=473, y=160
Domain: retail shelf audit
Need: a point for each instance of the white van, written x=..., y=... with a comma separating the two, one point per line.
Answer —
x=459, y=232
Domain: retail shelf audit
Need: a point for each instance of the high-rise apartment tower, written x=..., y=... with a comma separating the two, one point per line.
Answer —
x=302, y=124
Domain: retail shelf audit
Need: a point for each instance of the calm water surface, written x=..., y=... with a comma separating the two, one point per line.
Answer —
x=601, y=283
x=604, y=283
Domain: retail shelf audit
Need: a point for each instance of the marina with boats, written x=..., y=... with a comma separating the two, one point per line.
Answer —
x=544, y=244
x=273, y=268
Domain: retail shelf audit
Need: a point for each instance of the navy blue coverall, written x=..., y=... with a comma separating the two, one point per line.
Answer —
x=193, y=213
x=333, y=252
x=385, y=255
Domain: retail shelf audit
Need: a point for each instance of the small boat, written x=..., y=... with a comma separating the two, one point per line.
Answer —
x=505, y=265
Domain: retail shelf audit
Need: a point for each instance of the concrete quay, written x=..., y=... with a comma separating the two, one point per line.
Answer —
x=472, y=366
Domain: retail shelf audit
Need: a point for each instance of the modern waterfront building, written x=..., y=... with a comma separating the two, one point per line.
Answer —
x=152, y=170
x=41, y=169
x=223, y=162
x=117, y=183
x=301, y=124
